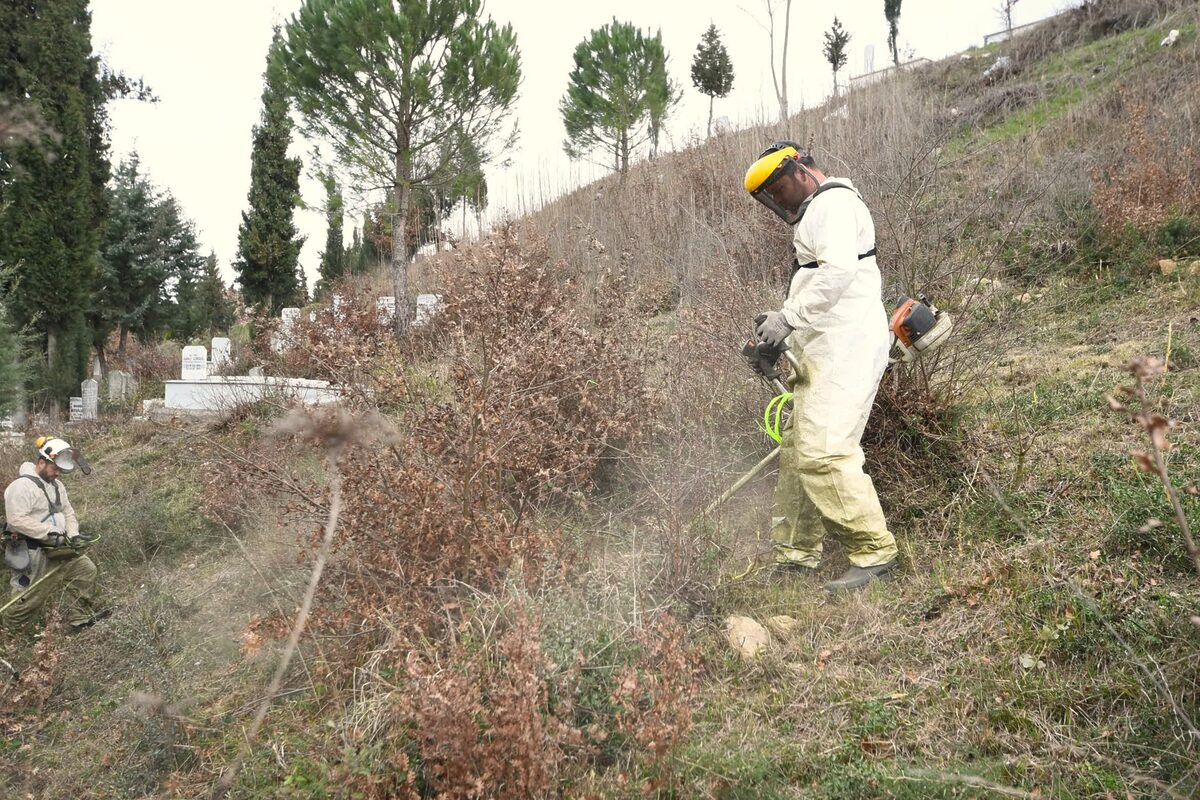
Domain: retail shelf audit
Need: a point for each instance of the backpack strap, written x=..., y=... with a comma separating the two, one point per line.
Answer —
x=57, y=497
x=796, y=265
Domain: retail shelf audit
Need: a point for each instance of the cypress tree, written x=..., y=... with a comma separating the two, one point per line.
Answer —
x=333, y=263
x=267, y=262
x=891, y=10
x=52, y=209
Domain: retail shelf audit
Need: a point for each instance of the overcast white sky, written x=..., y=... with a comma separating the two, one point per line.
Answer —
x=205, y=61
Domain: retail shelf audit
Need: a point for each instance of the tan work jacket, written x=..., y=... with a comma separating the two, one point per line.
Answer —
x=28, y=511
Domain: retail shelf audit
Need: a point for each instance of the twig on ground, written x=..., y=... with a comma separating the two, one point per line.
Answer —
x=335, y=503
x=964, y=780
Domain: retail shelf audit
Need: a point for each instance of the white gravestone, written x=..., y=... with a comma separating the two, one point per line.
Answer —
x=385, y=309
x=283, y=337
x=222, y=352
x=91, y=398
x=195, y=363
x=427, y=307
x=75, y=414
x=120, y=385
x=337, y=308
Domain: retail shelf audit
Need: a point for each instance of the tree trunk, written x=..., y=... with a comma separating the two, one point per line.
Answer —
x=51, y=366
x=401, y=190
x=100, y=357
x=122, y=340
x=783, y=96
x=710, y=104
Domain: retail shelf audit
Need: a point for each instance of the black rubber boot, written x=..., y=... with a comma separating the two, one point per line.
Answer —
x=92, y=620
x=856, y=578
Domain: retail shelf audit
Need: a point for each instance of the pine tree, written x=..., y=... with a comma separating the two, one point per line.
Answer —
x=836, y=39
x=618, y=94
x=891, y=10
x=52, y=208
x=333, y=264
x=391, y=84
x=712, y=71
x=267, y=262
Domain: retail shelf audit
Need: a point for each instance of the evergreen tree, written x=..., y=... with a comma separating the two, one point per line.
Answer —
x=463, y=182
x=618, y=93
x=185, y=265
x=212, y=310
x=712, y=71
x=394, y=86
x=14, y=368
x=353, y=254
x=149, y=264
x=51, y=184
x=132, y=271
x=267, y=262
x=836, y=39
x=333, y=265
x=891, y=10
x=300, y=298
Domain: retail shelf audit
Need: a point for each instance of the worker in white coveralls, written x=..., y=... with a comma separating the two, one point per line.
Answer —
x=42, y=540
x=834, y=321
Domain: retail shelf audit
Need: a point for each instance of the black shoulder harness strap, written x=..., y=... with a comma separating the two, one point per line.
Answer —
x=57, y=504
x=796, y=265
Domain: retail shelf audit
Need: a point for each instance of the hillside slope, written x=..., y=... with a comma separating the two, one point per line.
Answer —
x=519, y=602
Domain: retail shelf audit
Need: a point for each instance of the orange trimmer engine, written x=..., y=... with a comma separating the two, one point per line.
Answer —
x=918, y=327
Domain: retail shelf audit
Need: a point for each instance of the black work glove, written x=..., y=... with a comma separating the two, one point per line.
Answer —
x=55, y=539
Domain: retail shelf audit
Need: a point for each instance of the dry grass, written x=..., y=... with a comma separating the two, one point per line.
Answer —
x=517, y=605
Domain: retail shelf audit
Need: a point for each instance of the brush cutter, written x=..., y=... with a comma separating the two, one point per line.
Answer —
x=917, y=327
x=74, y=546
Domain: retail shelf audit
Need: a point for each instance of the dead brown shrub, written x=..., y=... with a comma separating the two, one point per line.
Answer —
x=1151, y=184
x=484, y=727
x=655, y=699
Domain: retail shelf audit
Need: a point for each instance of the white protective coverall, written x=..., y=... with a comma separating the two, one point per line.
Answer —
x=27, y=511
x=842, y=340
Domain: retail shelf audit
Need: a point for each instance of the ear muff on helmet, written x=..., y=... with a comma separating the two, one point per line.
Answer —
x=778, y=160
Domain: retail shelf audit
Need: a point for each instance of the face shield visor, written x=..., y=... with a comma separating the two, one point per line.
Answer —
x=70, y=459
x=63, y=456
x=763, y=182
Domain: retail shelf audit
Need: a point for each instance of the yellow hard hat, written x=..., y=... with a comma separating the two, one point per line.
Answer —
x=769, y=167
x=781, y=158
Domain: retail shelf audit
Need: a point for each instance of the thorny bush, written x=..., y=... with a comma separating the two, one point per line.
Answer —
x=1153, y=183
x=518, y=409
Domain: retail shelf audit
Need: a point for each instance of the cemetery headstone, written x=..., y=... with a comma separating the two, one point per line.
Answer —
x=385, y=308
x=427, y=307
x=222, y=352
x=75, y=412
x=195, y=363
x=91, y=399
